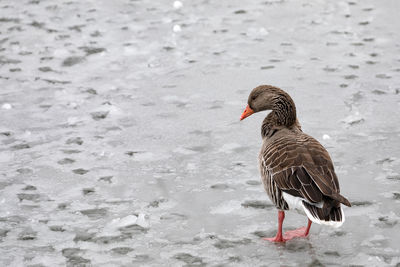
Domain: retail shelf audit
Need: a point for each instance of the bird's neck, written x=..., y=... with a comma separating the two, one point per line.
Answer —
x=283, y=115
x=284, y=111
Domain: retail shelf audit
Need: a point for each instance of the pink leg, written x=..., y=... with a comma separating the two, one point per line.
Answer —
x=278, y=237
x=300, y=232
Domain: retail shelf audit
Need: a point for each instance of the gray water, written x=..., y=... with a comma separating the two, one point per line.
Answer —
x=121, y=143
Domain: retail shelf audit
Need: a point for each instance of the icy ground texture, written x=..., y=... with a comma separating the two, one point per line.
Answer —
x=120, y=136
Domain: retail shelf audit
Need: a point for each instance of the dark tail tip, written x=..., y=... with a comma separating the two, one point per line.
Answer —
x=342, y=200
x=345, y=202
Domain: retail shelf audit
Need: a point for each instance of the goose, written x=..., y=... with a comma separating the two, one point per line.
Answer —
x=296, y=170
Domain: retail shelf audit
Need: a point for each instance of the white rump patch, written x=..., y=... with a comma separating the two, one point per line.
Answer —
x=293, y=202
x=297, y=203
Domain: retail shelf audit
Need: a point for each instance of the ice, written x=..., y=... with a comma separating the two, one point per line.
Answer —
x=257, y=32
x=177, y=4
x=147, y=156
x=191, y=166
x=184, y=151
x=112, y=227
x=73, y=121
x=177, y=28
x=230, y=147
x=141, y=221
x=120, y=139
x=353, y=119
x=226, y=207
x=60, y=53
x=326, y=137
x=6, y=106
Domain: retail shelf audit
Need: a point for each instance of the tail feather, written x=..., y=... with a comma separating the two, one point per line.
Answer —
x=334, y=218
x=341, y=199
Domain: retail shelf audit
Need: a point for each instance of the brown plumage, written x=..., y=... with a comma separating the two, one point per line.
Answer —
x=294, y=166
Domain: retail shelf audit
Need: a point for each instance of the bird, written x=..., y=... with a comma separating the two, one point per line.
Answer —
x=296, y=170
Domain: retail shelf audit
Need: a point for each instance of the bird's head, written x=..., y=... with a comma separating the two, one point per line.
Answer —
x=263, y=97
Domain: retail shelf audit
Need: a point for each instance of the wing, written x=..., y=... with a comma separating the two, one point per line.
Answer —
x=302, y=167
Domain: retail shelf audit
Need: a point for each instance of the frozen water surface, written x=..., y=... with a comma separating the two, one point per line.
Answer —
x=120, y=136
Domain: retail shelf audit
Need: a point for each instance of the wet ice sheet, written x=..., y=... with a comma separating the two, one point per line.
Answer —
x=121, y=142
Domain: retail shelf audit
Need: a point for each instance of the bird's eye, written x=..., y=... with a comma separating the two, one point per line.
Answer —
x=253, y=97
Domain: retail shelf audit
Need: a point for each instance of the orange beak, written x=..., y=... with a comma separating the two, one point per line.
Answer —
x=247, y=112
